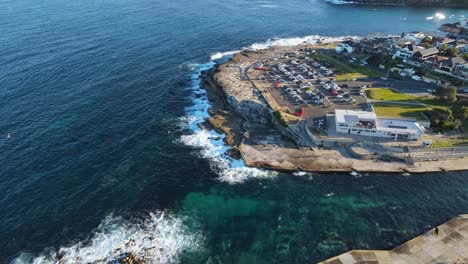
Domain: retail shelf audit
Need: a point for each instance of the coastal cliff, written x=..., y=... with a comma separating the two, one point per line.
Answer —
x=454, y=3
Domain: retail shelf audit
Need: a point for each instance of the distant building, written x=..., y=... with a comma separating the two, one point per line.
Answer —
x=414, y=37
x=441, y=41
x=462, y=45
x=435, y=62
x=425, y=54
x=367, y=124
x=346, y=46
x=449, y=65
x=461, y=71
x=407, y=52
x=369, y=45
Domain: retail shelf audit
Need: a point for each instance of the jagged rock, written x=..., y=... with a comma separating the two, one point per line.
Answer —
x=205, y=126
x=234, y=153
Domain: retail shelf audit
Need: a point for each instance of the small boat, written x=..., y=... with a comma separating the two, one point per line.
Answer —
x=406, y=174
x=355, y=173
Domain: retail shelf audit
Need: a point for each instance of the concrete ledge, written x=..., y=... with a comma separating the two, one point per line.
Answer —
x=449, y=246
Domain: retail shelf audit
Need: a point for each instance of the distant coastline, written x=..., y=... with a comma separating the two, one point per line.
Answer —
x=442, y=3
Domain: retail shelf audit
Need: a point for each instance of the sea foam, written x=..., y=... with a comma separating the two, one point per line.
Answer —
x=158, y=238
x=210, y=144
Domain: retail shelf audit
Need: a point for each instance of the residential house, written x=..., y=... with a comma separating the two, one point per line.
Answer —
x=441, y=41
x=462, y=45
x=407, y=52
x=425, y=54
x=435, y=62
x=461, y=71
x=449, y=65
x=346, y=46
x=369, y=45
x=415, y=37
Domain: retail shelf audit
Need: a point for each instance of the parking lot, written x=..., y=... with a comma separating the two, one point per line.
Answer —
x=305, y=87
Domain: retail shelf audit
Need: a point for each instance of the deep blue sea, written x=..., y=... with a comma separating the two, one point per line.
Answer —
x=104, y=157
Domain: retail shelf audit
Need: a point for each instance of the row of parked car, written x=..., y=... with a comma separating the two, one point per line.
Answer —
x=294, y=95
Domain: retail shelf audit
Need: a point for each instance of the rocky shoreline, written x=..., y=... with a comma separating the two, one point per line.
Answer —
x=239, y=111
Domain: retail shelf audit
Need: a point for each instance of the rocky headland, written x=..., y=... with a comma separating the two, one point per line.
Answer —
x=244, y=113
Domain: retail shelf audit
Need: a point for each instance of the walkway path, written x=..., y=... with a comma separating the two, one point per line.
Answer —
x=449, y=246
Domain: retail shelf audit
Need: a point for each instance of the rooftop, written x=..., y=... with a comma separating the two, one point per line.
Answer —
x=352, y=116
x=398, y=125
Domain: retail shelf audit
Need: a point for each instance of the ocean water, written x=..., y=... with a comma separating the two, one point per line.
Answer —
x=101, y=100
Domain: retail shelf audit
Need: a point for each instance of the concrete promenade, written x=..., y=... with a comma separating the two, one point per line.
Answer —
x=449, y=246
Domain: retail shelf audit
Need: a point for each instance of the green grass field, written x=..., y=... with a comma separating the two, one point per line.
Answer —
x=389, y=95
x=452, y=142
x=349, y=76
x=399, y=110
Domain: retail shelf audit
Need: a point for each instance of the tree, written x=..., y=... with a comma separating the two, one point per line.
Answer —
x=442, y=120
x=460, y=111
x=452, y=52
x=426, y=45
x=465, y=56
x=447, y=94
x=443, y=48
x=427, y=39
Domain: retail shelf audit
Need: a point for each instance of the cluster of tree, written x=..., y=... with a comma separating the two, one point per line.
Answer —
x=451, y=52
x=442, y=120
x=376, y=60
x=446, y=94
x=427, y=42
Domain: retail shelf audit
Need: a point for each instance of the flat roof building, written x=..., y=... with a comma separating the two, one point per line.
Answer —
x=367, y=124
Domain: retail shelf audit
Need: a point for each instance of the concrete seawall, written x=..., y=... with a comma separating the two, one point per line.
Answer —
x=450, y=245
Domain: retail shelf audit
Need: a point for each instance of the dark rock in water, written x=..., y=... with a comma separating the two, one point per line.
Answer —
x=211, y=112
x=234, y=153
x=205, y=126
x=131, y=259
x=223, y=112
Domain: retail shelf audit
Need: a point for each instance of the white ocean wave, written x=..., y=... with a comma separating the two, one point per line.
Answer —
x=340, y=2
x=219, y=55
x=282, y=42
x=160, y=238
x=210, y=143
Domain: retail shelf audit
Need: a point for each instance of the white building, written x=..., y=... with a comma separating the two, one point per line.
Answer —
x=344, y=46
x=415, y=37
x=367, y=124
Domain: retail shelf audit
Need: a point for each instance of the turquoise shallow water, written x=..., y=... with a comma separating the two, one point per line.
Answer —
x=98, y=97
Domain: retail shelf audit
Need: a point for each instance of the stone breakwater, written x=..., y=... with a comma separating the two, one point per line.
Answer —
x=242, y=112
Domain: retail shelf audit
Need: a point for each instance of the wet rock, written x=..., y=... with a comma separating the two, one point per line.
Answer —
x=234, y=153
x=211, y=112
x=205, y=126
